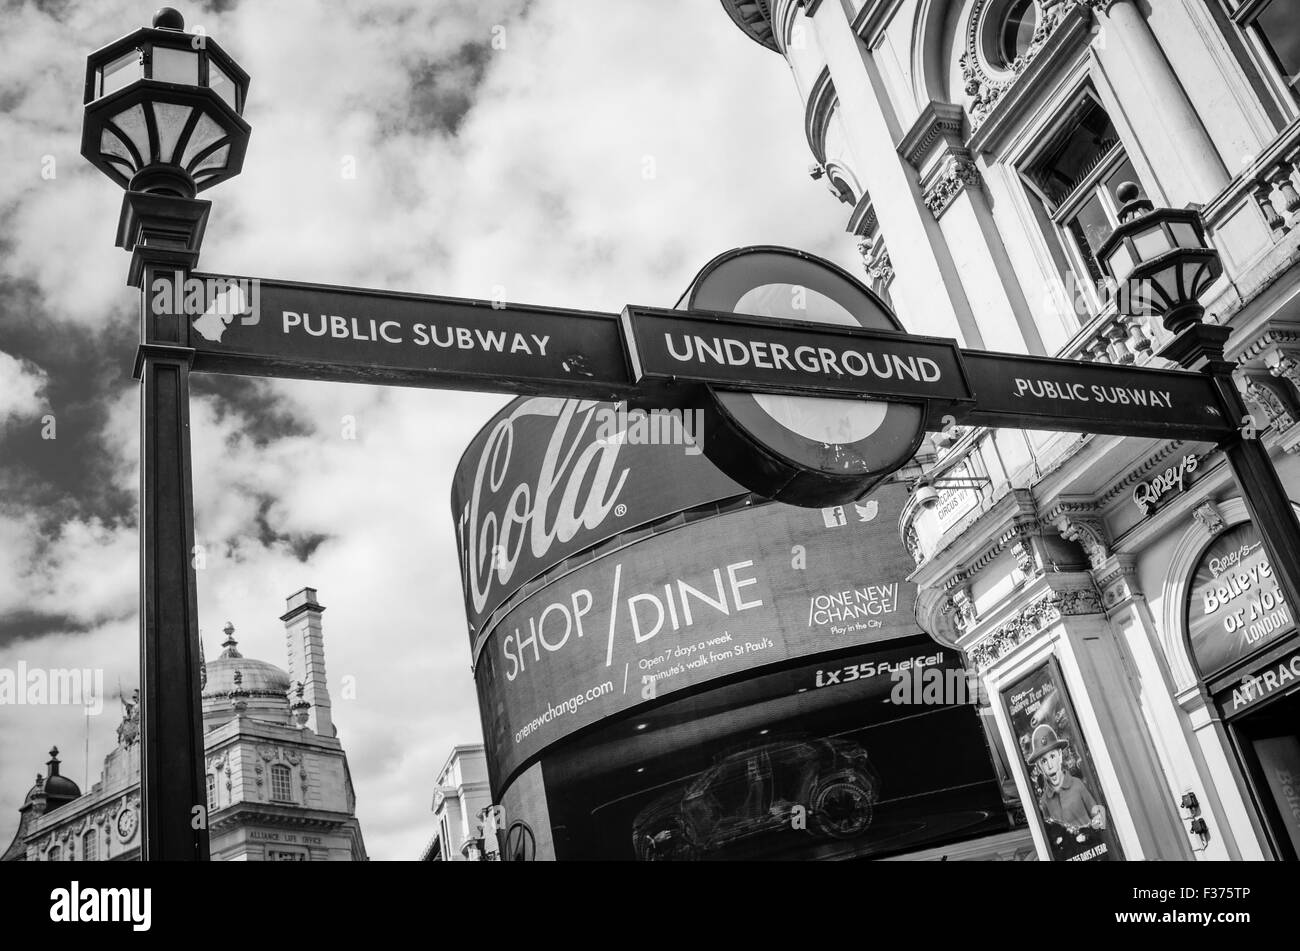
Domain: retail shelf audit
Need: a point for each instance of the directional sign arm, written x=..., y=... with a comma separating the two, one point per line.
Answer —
x=1023, y=392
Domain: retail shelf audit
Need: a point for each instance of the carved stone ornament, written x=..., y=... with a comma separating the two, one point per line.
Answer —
x=1038, y=616
x=913, y=543
x=1263, y=393
x=1210, y=517
x=1088, y=534
x=964, y=616
x=984, y=87
x=957, y=174
x=1023, y=551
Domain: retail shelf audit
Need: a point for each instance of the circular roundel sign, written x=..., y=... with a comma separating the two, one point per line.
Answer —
x=802, y=450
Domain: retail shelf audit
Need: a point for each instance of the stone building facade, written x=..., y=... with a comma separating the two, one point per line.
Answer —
x=278, y=786
x=977, y=146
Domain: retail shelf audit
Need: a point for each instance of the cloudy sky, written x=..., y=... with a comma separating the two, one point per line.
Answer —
x=600, y=158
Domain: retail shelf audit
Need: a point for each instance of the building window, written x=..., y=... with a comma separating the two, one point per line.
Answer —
x=54, y=854
x=90, y=847
x=212, y=793
x=281, y=784
x=1073, y=177
x=1017, y=31
x=1276, y=27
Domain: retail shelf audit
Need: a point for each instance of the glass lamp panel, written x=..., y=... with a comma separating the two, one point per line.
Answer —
x=113, y=147
x=131, y=122
x=221, y=83
x=1193, y=273
x=1165, y=281
x=1185, y=235
x=1120, y=262
x=170, y=119
x=121, y=71
x=175, y=66
x=206, y=131
x=1151, y=242
x=215, y=161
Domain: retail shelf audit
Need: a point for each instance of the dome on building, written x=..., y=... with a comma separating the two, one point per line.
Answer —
x=58, y=788
x=233, y=682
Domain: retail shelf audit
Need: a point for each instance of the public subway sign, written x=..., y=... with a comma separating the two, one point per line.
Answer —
x=1071, y=395
x=309, y=331
x=1234, y=604
x=786, y=356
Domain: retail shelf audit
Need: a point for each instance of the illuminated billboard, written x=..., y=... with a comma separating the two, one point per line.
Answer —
x=711, y=599
x=793, y=764
x=548, y=478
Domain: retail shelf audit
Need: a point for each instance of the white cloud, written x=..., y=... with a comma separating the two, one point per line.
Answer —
x=22, y=386
x=542, y=191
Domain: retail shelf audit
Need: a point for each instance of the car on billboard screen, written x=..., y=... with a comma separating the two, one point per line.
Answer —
x=758, y=790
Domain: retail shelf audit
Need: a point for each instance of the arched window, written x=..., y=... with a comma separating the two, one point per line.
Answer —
x=54, y=854
x=281, y=784
x=1017, y=30
x=90, y=846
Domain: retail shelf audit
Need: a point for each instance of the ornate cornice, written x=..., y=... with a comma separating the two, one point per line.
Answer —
x=1031, y=621
x=1024, y=523
x=938, y=120
x=1273, y=334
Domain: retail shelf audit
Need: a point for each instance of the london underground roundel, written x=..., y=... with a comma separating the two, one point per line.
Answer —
x=800, y=450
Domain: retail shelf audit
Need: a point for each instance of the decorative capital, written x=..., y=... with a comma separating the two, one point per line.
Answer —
x=1265, y=393
x=1088, y=533
x=958, y=173
x=1117, y=579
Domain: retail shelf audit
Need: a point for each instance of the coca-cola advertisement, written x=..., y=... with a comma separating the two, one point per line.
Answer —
x=548, y=478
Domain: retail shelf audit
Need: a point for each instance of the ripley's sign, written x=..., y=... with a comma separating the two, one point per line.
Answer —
x=1234, y=604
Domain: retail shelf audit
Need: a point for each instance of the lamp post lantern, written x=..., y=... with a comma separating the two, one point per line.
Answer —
x=163, y=119
x=1164, y=264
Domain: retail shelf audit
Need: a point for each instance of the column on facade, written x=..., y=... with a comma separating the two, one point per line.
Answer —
x=953, y=194
x=1185, y=161
x=1175, y=742
x=928, y=291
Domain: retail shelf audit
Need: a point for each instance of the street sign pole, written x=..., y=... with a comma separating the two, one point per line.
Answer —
x=1200, y=347
x=164, y=232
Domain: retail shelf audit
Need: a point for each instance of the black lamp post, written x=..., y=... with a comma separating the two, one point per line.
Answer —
x=163, y=119
x=1163, y=264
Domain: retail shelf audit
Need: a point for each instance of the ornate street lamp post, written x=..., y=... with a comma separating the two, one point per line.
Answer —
x=1163, y=264
x=163, y=119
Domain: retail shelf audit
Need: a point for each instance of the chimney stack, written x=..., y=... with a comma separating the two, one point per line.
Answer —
x=306, y=649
